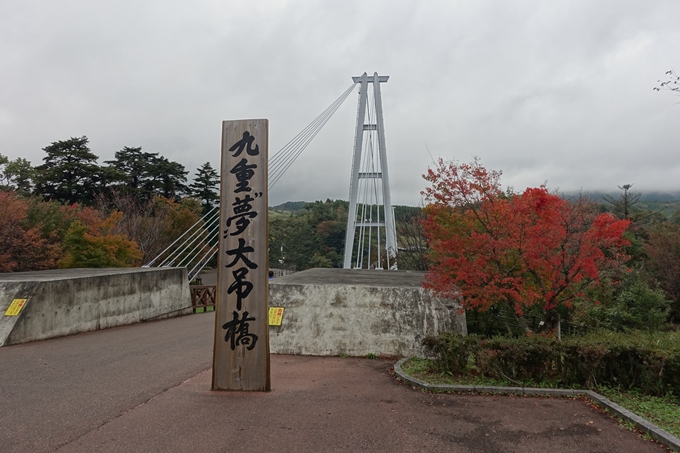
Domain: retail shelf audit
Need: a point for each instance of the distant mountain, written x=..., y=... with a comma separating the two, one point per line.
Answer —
x=662, y=197
x=665, y=202
x=289, y=206
x=293, y=206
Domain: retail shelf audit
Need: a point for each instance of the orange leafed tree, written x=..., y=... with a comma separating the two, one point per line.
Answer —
x=526, y=250
x=94, y=242
x=22, y=247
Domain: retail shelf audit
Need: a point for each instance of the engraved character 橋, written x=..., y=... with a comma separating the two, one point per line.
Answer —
x=237, y=332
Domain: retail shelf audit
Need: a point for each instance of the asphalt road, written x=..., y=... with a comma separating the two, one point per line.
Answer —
x=54, y=391
x=146, y=388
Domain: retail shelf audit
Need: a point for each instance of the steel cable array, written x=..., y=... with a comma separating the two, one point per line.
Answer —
x=369, y=197
x=198, y=245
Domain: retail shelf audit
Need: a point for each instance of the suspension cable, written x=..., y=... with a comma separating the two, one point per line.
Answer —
x=170, y=259
x=196, y=239
x=290, y=147
x=295, y=147
x=150, y=263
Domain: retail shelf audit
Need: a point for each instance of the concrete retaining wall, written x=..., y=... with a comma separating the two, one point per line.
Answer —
x=357, y=312
x=65, y=302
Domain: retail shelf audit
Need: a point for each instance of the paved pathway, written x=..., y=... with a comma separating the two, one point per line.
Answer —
x=147, y=388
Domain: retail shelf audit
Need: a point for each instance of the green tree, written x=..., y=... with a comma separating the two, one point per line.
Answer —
x=146, y=175
x=411, y=238
x=206, y=186
x=319, y=260
x=663, y=261
x=329, y=220
x=130, y=166
x=70, y=173
x=623, y=207
x=320, y=211
x=292, y=243
x=16, y=175
x=629, y=303
x=169, y=178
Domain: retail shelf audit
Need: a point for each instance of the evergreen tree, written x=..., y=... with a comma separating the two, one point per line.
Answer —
x=206, y=186
x=147, y=174
x=169, y=178
x=70, y=173
x=16, y=175
x=131, y=168
x=623, y=206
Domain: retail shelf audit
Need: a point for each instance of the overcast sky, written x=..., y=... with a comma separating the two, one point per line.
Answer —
x=546, y=91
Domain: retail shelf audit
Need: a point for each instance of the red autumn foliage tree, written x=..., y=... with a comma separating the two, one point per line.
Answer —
x=526, y=250
x=22, y=246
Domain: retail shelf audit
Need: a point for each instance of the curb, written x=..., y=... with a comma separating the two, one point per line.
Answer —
x=643, y=425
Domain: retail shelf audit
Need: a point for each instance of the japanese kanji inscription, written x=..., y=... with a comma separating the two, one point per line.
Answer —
x=241, y=352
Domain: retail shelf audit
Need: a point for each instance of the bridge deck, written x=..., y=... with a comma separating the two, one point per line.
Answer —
x=145, y=387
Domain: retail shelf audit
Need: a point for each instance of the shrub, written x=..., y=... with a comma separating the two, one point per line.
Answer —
x=523, y=358
x=630, y=304
x=649, y=362
x=452, y=351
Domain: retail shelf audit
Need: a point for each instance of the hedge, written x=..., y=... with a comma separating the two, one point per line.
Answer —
x=648, y=362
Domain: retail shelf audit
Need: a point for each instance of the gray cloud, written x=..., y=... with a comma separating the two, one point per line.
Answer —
x=544, y=91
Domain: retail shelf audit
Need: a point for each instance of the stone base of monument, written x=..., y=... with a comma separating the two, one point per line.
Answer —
x=70, y=301
x=358, y=312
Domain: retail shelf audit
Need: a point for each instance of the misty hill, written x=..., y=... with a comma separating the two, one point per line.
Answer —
x=662, y=197
x=665, y=202
x=296, y=207
x=289, y=207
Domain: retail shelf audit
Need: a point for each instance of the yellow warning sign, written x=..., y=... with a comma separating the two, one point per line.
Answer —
x=15, y=307
x=275, y=316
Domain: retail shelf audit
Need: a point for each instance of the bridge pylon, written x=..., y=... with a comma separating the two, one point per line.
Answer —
x=370, y=220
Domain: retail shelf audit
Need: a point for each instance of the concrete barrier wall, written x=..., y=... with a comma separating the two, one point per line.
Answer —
x=358, y=312
x=65, y=302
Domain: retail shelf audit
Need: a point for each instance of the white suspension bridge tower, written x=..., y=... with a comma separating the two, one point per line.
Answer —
x=370, y=217
x=371, y=240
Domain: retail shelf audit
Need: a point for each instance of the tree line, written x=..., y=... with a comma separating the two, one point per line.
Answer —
x=306, y=235
x=71, y=174
x=70, y=211
x=525, y=256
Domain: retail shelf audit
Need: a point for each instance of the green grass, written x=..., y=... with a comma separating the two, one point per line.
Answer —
x=206, y=309
x=664, y=412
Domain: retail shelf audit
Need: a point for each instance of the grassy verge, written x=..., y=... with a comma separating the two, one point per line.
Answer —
x=664, y=412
